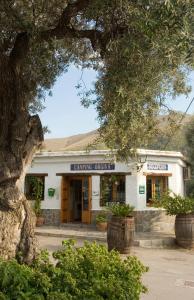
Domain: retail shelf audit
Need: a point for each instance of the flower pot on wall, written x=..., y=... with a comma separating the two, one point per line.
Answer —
x=39, y=221
x=101, y=226
x=51, y=192
x=101, y=221
x=120, y=234
x=184, y=230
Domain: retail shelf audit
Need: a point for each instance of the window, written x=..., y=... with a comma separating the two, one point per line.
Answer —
x=32, y=184
x=186, y=173
x=156, y=186
x=112, y=189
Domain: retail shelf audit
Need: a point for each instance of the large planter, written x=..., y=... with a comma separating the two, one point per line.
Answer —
x=120, y=234
x=184, y=230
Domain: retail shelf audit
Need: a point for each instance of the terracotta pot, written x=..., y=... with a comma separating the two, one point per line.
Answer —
x=102, y=226
x=184, y=230
x=120, y=234
x=39, y=221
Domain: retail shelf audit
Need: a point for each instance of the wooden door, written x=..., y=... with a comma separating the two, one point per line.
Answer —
x=65, y=211
x=86, y=199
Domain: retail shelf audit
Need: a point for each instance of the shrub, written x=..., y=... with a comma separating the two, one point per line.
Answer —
x=121, y=210
x=18, y=282
x=91, y=272
x=86, y=273
x=175, y=204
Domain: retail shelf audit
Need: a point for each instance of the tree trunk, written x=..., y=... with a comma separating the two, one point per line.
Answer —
x=20, y=135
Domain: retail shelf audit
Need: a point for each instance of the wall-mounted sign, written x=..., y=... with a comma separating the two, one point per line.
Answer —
x=157, y=166
x=92, y=167
x=141, y=189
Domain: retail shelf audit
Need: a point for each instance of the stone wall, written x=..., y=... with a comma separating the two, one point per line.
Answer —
x=51, y=216
x=145, y=220
x=149, y=221
x=153, y=220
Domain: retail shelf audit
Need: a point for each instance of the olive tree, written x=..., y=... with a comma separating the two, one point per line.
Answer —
x=141, y=49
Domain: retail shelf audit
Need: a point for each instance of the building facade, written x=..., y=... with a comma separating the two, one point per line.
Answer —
x=78, y=184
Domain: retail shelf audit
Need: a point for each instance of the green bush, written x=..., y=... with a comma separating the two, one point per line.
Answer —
x=19, y=282
x=175, y=204
x=86, y=273
x=121, y=210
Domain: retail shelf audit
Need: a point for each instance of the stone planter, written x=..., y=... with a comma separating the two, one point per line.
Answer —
x=120, y=234
x=101, y=226
x=184, y=230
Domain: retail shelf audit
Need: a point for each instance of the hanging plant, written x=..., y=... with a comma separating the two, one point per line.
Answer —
x=37, y=186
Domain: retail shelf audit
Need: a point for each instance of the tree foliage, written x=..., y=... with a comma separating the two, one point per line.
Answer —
x=142, y=51
x=190, y=141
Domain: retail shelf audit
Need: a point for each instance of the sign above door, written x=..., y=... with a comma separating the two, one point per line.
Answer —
x=157, y=166
x=92, y=167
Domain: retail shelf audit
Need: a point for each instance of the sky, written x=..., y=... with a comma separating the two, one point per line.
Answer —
x=65, y=116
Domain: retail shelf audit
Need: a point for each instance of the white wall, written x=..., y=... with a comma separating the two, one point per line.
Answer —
x=141, y=198
x=131, y=190
x=53, y=165
x=52, y=181
x=96, y=192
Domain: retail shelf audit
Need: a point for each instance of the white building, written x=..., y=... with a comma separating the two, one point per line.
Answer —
x=83, y=182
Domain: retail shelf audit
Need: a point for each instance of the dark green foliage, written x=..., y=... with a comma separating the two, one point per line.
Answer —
x=37, y=192
x=86, y=273
x=140, y=72
x=189, y=185
x=175, y=204
x=19, y=282
x=189, y=134
x=142, y=52
x=121, y=209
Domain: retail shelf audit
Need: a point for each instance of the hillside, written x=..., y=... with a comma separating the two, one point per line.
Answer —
x=75, y=142
x=176, y=140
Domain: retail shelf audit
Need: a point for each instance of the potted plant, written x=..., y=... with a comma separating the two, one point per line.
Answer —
x=183, y=209
x=120, y=234
x=37, y=194
x=38, y=213
x=101, y=221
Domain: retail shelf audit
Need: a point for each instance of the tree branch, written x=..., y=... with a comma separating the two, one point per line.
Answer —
x=71, y=10
x=65, y=30
x=63, y=27
x=21, y=46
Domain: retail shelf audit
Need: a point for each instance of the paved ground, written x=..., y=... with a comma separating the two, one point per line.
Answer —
x=171, y=274
x=144, y=239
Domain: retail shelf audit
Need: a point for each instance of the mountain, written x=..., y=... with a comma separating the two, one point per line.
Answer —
x=75, y=142
x=169, y=137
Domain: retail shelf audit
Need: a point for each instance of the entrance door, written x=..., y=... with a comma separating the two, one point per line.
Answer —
x=65, y=209
x=86, y=200
x=76, y=199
